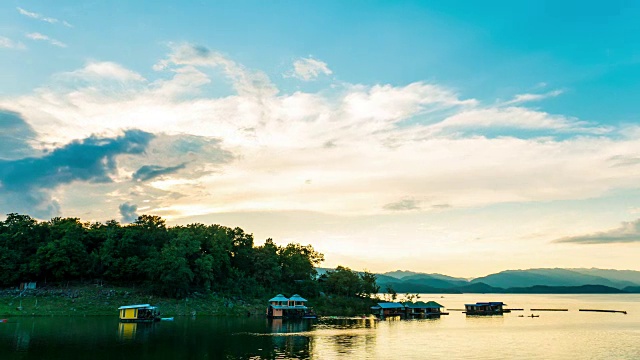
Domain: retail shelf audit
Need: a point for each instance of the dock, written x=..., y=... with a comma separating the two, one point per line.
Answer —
x=606, y=311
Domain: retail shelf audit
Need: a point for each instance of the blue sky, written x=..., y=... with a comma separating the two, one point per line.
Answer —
x=346, y=123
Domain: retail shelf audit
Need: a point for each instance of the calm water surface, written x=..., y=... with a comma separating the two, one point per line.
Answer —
x=554, y=335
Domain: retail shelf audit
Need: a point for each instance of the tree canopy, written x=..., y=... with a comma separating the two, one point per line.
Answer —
x=173, y=261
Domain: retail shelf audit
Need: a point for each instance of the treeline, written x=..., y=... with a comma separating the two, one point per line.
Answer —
x=173, y=261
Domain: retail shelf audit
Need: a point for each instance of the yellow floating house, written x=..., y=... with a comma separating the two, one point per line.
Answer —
x=139, y=313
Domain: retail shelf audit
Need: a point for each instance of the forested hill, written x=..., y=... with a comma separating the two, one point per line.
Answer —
x=516, y=281
x=172, y=261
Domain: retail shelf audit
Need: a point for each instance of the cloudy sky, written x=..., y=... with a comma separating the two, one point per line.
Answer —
x=462, y=138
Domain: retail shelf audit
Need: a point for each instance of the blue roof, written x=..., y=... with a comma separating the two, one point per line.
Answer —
x=279, y=297
x=297, y=297
x=423, y=305
x=390, y=305
x=486, y=303
x=135, y=306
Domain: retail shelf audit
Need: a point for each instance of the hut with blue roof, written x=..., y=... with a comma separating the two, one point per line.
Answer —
x=389, y=309
x=294, y=307
x=421, y=309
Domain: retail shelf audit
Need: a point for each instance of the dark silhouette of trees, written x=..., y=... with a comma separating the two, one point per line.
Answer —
x=346, y=282
x=173, y=261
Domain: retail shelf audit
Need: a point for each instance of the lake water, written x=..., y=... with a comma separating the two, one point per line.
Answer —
x=553, y=335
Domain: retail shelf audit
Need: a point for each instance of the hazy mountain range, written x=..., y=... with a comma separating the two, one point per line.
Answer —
x=556, y=280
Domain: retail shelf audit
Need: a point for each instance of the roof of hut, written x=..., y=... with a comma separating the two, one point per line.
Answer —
x=279, y=297
x=297, y=297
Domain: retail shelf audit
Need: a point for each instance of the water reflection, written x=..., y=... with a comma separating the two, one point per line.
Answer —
x=289, y=326
x=132, y=331
x=573, y=335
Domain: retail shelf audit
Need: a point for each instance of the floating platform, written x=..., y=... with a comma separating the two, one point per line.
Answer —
x=606, y=311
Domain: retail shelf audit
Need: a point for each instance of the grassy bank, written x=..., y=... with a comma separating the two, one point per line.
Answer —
x=94, y=301
x=90, y=301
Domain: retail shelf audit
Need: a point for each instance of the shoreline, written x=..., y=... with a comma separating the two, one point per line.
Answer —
x=85, y=301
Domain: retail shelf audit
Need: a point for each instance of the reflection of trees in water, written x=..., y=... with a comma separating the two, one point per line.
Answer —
x=22, y=337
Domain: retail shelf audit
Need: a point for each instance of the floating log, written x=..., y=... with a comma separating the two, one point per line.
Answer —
x=607, y=311
x=549, y=309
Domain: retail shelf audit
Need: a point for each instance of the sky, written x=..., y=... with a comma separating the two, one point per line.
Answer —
x=461, y=138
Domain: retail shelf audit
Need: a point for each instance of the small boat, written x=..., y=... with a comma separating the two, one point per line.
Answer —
x=139, y=313
x=166, y=319
x=533, y=316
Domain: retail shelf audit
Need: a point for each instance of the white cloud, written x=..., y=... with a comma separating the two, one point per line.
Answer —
x=7, y=43
x=41, y=37
x=515, y=118
x=308, y=69
x=94, y=71
x=41, y=17
x=245, y=82
x=387, y=142
x=628, y=232
x=523, y=98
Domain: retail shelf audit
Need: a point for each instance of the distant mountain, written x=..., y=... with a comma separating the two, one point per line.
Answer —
x=480, y=288
x=630, y=277
x=561, y=281
x=583, y=289
x=632, y=289
x=399, y=274
x=438, y=282
x=547, y=277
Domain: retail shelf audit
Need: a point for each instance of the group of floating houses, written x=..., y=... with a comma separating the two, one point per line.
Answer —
x=408, y=310
x=421, y=310
x=295, y=307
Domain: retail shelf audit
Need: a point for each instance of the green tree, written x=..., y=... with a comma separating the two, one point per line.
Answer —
x=298, y=262
x=20, y=238
x=64, y=256
x=266, y=265
x=344, y=281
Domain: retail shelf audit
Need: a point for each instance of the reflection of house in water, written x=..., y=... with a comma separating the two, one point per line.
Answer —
x=285, y=327
x=129, y=331
x=287, y=343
